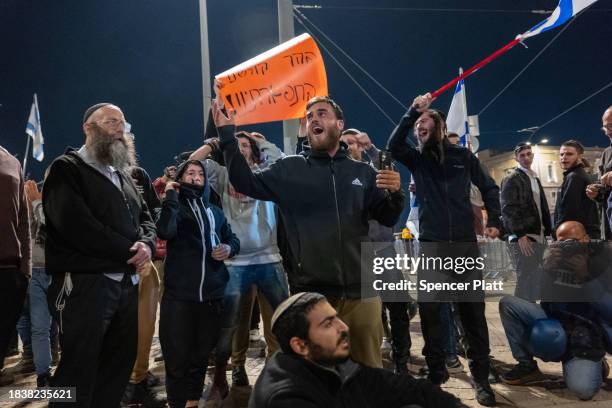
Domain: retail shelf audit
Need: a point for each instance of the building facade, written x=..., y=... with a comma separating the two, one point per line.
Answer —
x=545, y=164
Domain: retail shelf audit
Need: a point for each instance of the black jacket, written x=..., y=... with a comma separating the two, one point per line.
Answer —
x=191, y=274
x=604, y=194
x=573, y=204
x=91, y=224
x=145, y=188
x=519, y=209
x=289, y=381
x=326, y=204
x=443, y=190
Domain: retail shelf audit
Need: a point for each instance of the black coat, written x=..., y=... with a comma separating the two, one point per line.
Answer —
x=91, y=224
x=443, y=190
x=573, y=204
x=325, y=203
x=145, y=188
x=519, y=209
x=604, y=194
x=191, y=274
x=288, y=381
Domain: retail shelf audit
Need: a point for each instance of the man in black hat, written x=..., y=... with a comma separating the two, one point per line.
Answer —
x=526, y=219
x=313, y=368
x=99, y=237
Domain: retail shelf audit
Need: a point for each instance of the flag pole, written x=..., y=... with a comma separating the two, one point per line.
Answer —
x=25, y=156
x=468, y=137
x=476, y=67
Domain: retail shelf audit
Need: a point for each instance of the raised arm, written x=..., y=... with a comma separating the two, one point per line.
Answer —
x=261, y=185
x=167, y=221
x=401, y=148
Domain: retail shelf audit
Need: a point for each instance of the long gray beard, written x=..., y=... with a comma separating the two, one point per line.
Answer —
x=120, y=154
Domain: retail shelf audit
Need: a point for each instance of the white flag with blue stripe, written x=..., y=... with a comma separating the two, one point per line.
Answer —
x=564, y=11
x=457, y=118
x=34, y=130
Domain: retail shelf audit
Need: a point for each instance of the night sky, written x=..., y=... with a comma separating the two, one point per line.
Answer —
x=144, y=56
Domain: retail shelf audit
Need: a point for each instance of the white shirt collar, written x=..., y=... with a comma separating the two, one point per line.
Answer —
x=529, y=172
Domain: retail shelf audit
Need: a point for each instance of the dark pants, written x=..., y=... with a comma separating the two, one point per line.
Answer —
x=99, y=334
x=13, y=288
x=188, y=331
x=470, y=307
x=528, y=270
x=399, y=320
x=476, y=332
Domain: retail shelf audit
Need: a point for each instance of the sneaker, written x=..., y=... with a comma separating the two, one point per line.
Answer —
x=239, y=376
x=152, y=380
x=385, y=344
x=484, y=394
x=141, y=394
x=493, y=375
x=254, y=336
x=6, y=378
x=453, y=365
x=43, y=380
x=24, y=366
x=522, y=373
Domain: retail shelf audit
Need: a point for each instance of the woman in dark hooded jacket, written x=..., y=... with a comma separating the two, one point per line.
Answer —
x=199, y=240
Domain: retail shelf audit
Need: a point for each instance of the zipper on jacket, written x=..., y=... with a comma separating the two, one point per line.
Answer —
x=200, y=221
x=331, y=167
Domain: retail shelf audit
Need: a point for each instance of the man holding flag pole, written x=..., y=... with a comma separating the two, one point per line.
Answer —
x=443, y=174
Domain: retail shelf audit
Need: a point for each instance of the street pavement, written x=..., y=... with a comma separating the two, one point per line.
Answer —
x=547, y=393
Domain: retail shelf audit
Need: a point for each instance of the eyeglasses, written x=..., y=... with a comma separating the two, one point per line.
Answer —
x=116, y=123
x=607, y=127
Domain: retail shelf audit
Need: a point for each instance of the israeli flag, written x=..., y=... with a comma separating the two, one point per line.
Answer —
x=412, y=223
x=457, y=118
x=34, y=130
x=564, y=11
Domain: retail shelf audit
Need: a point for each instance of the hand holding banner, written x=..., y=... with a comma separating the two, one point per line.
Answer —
x=277, y=84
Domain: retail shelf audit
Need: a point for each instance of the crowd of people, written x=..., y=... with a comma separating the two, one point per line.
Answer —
x=85, y=263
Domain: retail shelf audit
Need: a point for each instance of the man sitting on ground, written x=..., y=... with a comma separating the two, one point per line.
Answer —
x=313, y=368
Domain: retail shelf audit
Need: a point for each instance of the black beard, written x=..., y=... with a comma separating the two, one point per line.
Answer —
x=120, y=154
x=324, y=357
x=330, y=141
x=434, y=148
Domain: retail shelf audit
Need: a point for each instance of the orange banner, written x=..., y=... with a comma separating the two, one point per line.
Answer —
x=277, y=84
